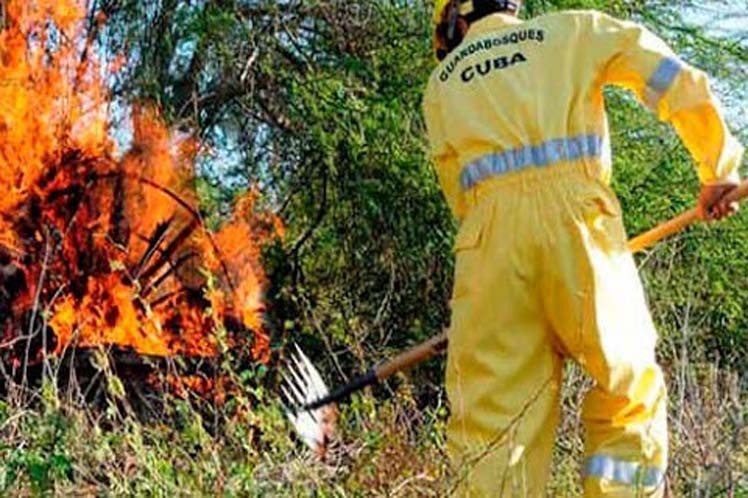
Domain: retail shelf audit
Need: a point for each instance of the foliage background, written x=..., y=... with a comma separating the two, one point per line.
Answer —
x=318, y=103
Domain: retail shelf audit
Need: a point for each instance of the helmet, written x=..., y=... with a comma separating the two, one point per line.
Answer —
x=466, y=7
x=465, y=12
x=439, y=6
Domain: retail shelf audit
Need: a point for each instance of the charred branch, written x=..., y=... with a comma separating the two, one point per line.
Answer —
x=168, y=252
x=154, y=241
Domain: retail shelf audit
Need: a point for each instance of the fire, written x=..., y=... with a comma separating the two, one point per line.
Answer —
x=101, y=248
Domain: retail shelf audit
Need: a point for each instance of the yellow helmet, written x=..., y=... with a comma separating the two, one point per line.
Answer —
x=466, y=7
x=444, y=40
x=439, y=6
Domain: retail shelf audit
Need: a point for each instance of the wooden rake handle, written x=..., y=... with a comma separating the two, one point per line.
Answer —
x=438, y=344
x=428, y=349
x=432, y=347
x=680, y=222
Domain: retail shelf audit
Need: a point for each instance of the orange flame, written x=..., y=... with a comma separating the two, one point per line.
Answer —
x=114, y=252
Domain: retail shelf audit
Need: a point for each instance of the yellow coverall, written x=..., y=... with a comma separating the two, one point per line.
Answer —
x=520, y=142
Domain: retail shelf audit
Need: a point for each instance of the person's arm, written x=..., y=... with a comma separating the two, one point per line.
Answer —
x=443, y=156
x=638, y=60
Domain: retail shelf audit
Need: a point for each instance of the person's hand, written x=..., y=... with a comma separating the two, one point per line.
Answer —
x=713, y=204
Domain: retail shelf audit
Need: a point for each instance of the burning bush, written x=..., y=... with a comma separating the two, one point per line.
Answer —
x=99, y=248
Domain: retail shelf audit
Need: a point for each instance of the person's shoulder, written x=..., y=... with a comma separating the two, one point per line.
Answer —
x=430, y=91
x=433, y=80
x=579, y=16
x=580, y=22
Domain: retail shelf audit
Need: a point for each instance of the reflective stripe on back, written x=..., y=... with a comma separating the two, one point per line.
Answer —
x=631, y=473
x=544, y=154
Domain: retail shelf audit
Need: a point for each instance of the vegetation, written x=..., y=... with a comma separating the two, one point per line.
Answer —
x=317, y=103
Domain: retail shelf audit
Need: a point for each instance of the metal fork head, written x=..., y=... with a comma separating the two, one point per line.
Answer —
x=302, y=384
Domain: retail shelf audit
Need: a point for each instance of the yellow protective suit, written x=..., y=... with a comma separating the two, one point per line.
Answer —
x=519, y=139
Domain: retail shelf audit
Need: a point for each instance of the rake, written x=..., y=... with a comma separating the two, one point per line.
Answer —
x=310, y=404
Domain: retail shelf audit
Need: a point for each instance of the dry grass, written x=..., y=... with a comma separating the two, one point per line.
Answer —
x=51, y=445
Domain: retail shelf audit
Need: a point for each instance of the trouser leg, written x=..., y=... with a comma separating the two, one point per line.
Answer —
x=598, y=309
x=503, y=372
x=502, y=426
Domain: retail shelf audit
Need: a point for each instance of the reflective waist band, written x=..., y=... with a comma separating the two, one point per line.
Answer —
x=629, y=473
x=545, y=154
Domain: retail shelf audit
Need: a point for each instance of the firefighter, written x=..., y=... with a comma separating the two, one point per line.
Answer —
x=519, y=138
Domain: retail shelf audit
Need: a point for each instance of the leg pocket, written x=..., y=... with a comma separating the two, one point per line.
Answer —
x=602, y=216
x=467, y=249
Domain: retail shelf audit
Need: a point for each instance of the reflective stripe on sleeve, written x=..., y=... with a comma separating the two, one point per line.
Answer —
x=661, y=81
x=544, y=154
x=630, y=473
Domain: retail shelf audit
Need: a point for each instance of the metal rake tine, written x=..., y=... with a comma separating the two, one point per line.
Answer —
x=314, y=374
x=314, y=386
x=302, y=385
x=293, y=383
x=298, y=375
x=293, y=414
x=296, y=390
x=288, y=401
x=311, y=388
x=299, y=388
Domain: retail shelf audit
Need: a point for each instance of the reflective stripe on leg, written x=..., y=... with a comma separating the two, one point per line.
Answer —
x=626, y=472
